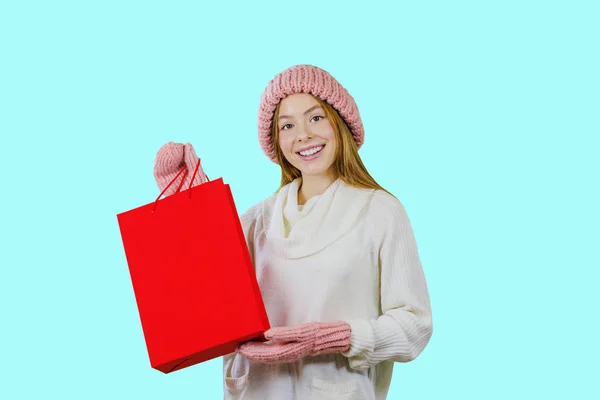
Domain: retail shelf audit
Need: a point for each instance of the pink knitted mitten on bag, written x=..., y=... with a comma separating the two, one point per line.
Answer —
x=171, y=158
x=293, y=343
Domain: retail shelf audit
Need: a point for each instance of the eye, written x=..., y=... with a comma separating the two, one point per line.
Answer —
x=284, y=127
x=317, y=116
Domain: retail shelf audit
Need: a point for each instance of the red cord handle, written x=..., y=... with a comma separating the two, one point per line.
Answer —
x=180, y=184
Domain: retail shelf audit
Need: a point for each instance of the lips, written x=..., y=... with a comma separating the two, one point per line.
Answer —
x=311, y=150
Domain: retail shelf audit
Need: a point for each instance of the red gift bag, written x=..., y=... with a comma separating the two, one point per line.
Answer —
x=192, y=276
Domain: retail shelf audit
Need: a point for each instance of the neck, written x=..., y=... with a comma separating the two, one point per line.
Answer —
x=313, y=185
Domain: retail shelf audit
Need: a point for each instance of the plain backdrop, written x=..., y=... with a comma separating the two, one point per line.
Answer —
x=482, y=117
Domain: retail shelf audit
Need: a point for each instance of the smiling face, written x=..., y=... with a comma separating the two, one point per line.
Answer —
x=306, y=136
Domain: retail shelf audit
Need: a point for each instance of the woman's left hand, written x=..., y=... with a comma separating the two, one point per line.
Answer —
x=288, y=344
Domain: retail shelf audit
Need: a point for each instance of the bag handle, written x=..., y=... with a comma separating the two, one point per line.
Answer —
x=184, y=169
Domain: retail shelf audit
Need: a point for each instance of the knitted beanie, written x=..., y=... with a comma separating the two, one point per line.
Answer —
x=305, y=78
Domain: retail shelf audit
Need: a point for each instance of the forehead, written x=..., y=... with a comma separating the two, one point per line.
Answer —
x=297, y=103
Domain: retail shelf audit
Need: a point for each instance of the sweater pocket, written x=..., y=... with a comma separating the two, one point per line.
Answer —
x=324, y=390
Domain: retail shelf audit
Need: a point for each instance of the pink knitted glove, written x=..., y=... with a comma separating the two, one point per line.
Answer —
x=170, y=159
x=291, y=344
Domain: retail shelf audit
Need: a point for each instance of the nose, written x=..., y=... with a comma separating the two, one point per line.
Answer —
x=304, y=134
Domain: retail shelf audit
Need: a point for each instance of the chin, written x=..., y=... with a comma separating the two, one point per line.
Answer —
x=314, y=169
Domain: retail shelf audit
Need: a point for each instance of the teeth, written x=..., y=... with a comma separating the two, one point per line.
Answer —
x=311, y=151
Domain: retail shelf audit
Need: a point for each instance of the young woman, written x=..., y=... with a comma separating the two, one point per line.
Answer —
x=334, y=253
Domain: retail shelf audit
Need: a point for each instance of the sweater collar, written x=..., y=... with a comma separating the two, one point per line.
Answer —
x=295, y=232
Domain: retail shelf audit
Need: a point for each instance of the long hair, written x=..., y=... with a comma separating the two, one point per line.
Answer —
x=347, y=164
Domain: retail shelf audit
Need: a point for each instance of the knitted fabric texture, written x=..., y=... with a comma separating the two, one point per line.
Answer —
x=289, y=344
x=306, y=78
x=170, y=159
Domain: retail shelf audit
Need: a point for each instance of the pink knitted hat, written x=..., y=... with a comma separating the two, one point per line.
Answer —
x=306, y=78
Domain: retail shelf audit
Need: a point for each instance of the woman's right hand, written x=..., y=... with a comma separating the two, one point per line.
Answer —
x=170, y=159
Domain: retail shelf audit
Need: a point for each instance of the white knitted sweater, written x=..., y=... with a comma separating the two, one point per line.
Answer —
x=348, y=254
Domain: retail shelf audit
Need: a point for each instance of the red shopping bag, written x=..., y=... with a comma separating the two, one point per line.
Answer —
x=192, y=276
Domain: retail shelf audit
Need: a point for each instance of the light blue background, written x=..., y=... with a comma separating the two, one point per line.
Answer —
x=482, y=117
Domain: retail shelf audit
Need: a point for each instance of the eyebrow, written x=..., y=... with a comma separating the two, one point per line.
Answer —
x=305, y=112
